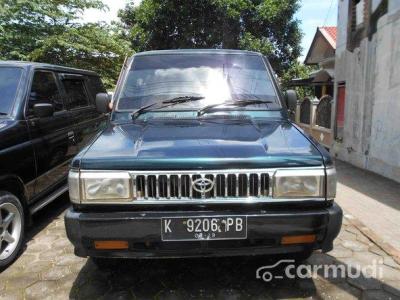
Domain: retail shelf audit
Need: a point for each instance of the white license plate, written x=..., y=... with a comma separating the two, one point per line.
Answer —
x=203, y=228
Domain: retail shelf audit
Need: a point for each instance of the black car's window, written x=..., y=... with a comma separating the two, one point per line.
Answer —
x=95, y=86
x=76, y=93
x=45, y=90
x=9, y=80
x=216, y=77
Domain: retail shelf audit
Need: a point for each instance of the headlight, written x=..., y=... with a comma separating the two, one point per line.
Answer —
x=99, y=186
x=299, y=184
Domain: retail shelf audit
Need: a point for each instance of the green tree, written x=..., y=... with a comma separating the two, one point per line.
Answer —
x=267, y=26
x=51, y=31
x=297, y=70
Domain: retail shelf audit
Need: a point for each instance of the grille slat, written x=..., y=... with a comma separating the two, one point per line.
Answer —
x=180, y=186
x=157, y=188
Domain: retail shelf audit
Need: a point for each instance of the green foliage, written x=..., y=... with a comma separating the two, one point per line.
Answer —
x=267, y=26
x=49, y=31
x=297, y=70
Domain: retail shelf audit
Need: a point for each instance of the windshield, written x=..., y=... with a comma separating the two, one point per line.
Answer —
x=216, y=77
x=9, y=80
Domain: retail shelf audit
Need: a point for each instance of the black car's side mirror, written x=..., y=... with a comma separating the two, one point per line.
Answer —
x=43, y=110
x=102, y=103
x=291, y=100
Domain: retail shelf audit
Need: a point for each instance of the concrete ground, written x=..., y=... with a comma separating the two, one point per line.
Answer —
x=48, y=269
x=372, y=200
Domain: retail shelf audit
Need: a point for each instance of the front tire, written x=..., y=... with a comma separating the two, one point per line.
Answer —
x=12, y=228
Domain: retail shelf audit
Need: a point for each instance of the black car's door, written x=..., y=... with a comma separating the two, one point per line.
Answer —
x=80, y=103
x=52, y=137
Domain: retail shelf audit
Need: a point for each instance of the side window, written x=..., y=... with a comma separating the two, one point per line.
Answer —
x=95, y=86
x=76, y=92
x=45, y=90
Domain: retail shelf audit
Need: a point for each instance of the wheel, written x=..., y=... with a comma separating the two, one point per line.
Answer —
x=11, y=228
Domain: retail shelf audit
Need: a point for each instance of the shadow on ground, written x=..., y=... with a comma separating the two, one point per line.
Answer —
x=196, y=278
x=225, y=278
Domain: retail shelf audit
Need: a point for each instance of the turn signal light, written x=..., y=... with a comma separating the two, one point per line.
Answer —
x=298, y=239
x=111, y=245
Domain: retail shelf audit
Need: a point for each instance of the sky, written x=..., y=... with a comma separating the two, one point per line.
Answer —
x=312, y=13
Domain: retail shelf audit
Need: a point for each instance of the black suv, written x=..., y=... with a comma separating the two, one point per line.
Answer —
x=47, y=115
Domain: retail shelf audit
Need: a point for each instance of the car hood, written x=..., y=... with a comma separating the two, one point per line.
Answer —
x=199, y=144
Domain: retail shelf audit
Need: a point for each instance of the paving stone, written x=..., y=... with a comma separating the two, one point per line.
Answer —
x=40, y=266
x=363, y=239
x=392, y=287
x=11, y=272
x=69, y=259
x=354, y=245
x=48, y=268
x=352, y=229
x=377, y=295
x=22, y=281
x=51, y=255
x=76, y=268
x=389, y=274
x=45, y=239
x=40, y=289
x=167, y=294
x=60, y=243
x=35, y=248
x=11, y=295
x=56, y=273
x=375, y=249
x=67, y=282
x=363, y=283
x=339, y=291
x=230, y=294
x=340, y=252
x=346, y=235
x=27, y=259
x=387, y=260
x=91, y=290
x=367, y=258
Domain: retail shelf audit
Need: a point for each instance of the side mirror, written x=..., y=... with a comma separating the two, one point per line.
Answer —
x=102, y=103
x=43, y=110
x=291, y=101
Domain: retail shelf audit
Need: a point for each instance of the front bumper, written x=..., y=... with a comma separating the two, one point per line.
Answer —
x=142, y=229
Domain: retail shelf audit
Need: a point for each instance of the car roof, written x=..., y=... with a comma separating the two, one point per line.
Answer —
x=196, y=51
x=36, y=65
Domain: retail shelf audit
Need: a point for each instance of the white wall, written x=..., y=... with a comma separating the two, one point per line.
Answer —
x=372, y=112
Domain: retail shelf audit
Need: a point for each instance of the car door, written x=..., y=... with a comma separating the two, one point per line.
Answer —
x=52, y=137
x=80, y=103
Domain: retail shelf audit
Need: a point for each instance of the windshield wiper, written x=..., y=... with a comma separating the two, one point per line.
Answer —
x=239, y=103
x=165, y=103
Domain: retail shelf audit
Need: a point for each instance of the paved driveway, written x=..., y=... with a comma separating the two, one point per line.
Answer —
x=48, y=269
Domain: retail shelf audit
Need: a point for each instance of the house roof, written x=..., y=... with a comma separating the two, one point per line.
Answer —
x=323, y=45
x=330, y=34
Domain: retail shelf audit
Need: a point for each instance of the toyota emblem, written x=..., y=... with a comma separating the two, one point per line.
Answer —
x=203, y=185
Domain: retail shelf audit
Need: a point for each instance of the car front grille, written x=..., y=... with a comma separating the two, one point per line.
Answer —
x=189, y=185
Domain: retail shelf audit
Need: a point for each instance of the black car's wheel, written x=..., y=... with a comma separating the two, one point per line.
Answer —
x=11, y=228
